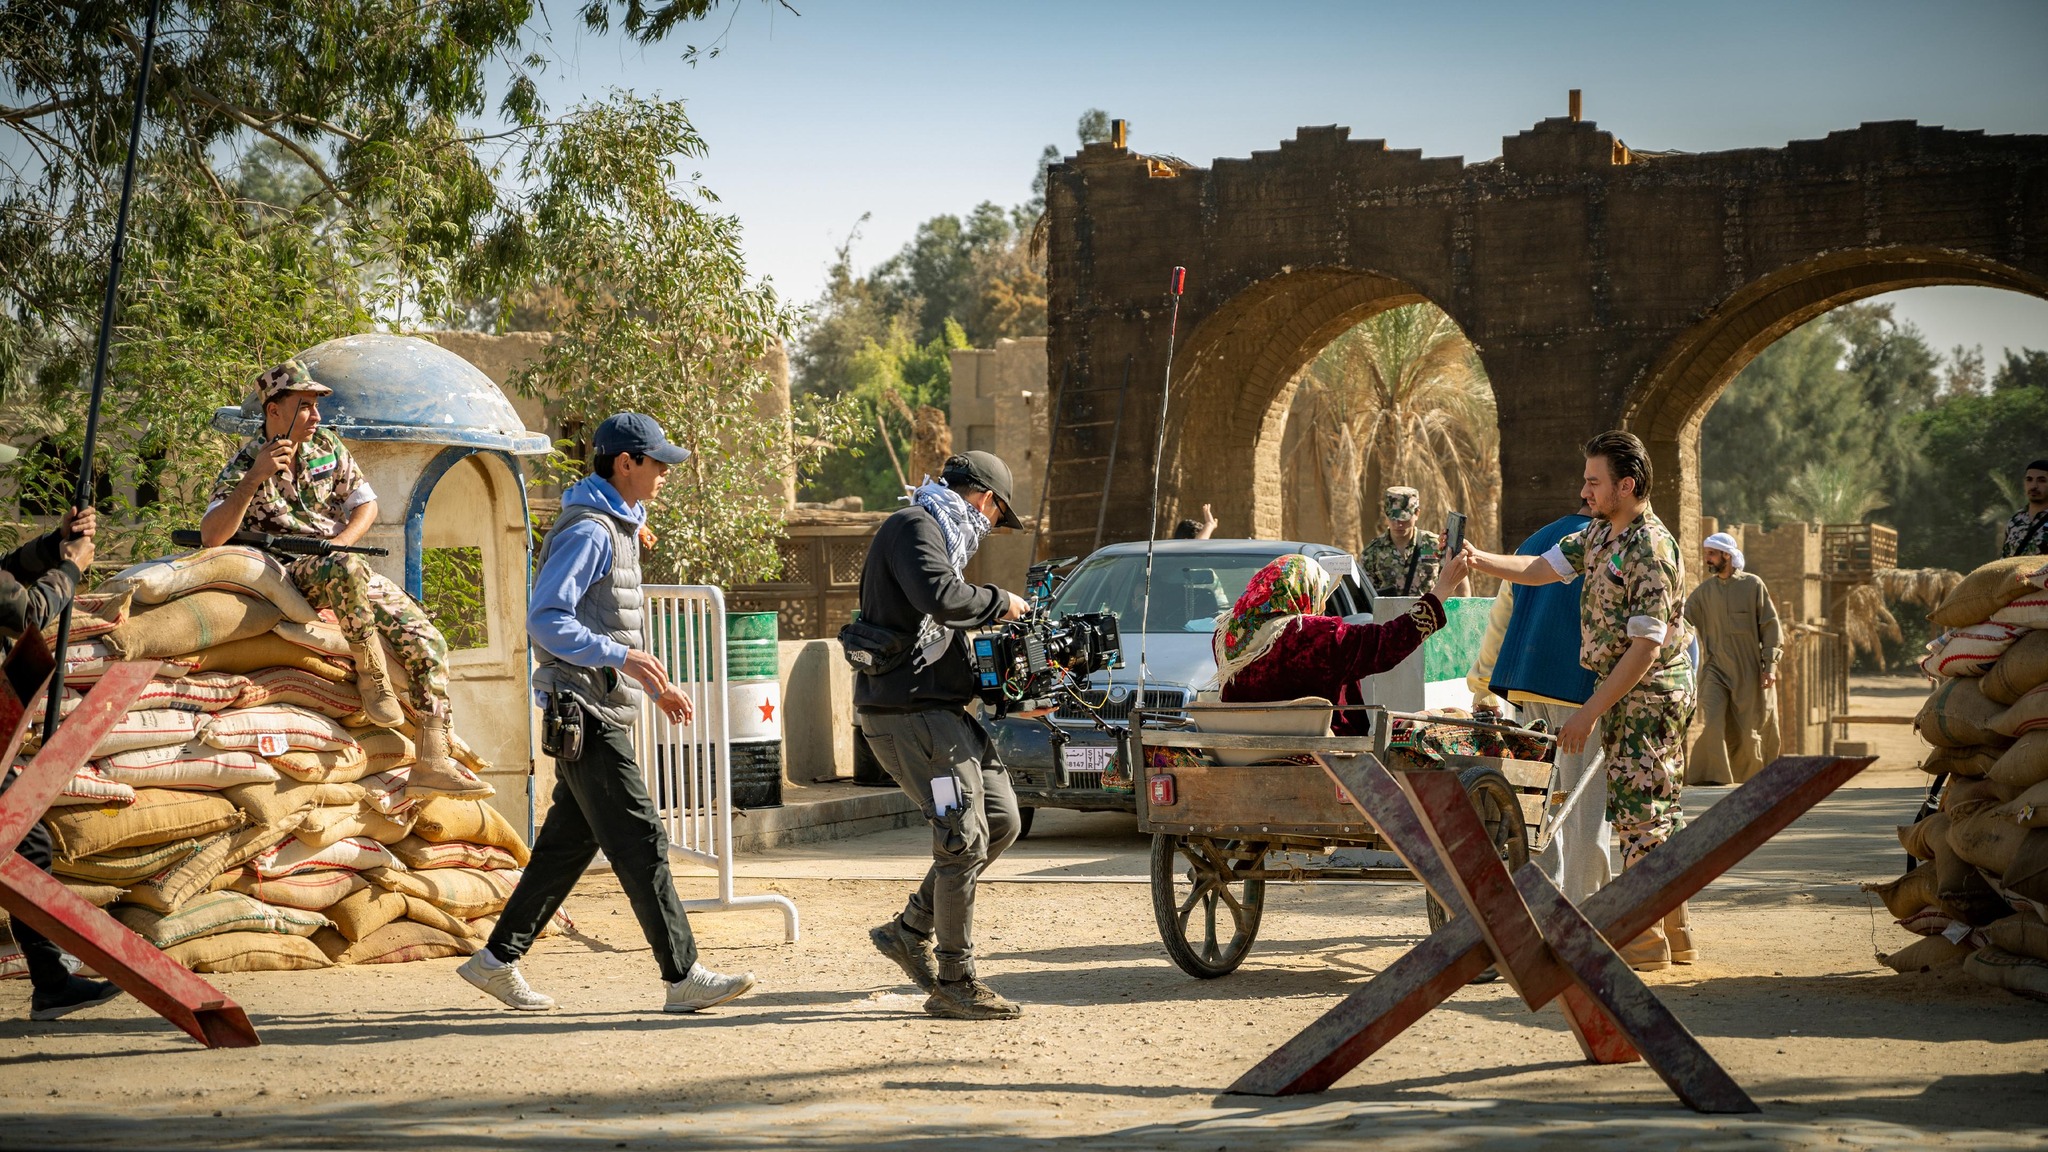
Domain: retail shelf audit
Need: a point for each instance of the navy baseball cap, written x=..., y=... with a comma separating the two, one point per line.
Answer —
x=638, y=434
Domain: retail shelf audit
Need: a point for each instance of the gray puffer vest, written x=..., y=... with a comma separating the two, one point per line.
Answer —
x=612, y=608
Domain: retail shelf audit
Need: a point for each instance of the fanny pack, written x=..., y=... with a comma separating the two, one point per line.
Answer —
x=873, y=650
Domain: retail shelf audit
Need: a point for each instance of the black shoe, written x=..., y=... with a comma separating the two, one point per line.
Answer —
x=76, y=994
x=969, y=999
x=911, y=952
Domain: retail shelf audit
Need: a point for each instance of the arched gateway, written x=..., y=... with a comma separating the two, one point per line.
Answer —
x=1603, y=287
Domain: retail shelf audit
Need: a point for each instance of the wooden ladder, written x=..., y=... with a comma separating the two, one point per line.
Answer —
x=1079, y=414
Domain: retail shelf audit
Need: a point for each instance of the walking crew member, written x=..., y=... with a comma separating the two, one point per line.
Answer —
x=298, y=479
x=1740, y=642
x=1531, y=656
x=1402, y=561
x=2026, y=534
x=36, y=581
x=914, y=717
x=1633, y=636
x=587, y=624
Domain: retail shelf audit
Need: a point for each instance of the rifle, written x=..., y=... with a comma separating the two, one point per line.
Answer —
x=284, y=545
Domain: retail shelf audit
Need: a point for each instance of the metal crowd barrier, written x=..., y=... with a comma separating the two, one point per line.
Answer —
x=689, y=766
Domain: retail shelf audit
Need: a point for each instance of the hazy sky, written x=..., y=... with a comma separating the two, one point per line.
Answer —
x=906, y=111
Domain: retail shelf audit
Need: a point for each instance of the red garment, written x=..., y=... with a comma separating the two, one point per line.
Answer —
x=1323, y=656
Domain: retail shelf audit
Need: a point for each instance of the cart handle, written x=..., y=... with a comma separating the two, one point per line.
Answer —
x=1418, y=717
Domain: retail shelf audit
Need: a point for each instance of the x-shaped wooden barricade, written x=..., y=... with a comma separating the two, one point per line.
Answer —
x=34, y=897
x=1547, y=947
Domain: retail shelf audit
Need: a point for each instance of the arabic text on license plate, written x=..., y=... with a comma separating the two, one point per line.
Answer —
x=1088, y=757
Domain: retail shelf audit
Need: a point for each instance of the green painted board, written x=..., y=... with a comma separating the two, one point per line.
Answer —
x=1448, y=654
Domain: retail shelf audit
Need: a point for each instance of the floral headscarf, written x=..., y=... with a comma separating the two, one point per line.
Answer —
x=1283, y=591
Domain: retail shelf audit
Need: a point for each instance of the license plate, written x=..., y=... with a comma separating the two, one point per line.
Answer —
x=1086, y=757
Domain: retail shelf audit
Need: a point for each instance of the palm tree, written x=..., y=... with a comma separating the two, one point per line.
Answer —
x=1838, y=492
x=1401, y=398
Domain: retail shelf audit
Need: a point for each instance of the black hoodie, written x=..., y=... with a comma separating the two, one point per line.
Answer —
x=906, y=578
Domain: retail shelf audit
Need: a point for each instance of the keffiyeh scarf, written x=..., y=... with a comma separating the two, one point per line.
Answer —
x=960, y=525
x=1282, y=592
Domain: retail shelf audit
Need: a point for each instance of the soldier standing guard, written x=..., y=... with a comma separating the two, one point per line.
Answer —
x=298, y=479
x=1632, y=636
x=1403, y=561
x=2026, y=534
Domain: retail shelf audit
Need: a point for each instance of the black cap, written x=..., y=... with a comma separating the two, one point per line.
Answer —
x=988, y=471
x=640, y=435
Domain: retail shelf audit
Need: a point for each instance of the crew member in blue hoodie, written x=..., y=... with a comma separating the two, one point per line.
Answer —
x=587, y=625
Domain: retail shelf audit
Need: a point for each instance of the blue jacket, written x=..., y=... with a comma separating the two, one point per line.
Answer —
x=1540, y=651
x=581, y=557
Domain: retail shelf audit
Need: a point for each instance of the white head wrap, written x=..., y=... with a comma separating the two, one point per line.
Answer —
x=1723, y=542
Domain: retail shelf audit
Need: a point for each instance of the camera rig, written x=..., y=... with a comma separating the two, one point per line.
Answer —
x=1023, y=665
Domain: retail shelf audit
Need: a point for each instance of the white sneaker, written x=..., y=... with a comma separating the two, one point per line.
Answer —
x=505, y=983
x=703, y=988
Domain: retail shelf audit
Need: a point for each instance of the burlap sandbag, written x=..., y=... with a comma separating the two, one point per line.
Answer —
x=168, y=891
x=2027, y=873
x=324, y=826
x=1964, y=762
x=1984, y=591
x=127, y=865
x=322, y=636
x=355, y=854
x=420, y=912
x=1969, y=651
x=218, y=912
x=473, y=821
x=151, y=728
x=466, y=892
x=2028, y=714
x=231, y=567
x=1961, y=791
x=95, y=613
x=269, y=650
x=1957, y=715
x=2023, y=668
x=275, y=729
x=1984, y=839
x=1918, y=839
x=1961, y=890
x=2025, y=764
x=190, y=624
x=362, y=912
x=315, y=693
x=198, y=692
x=249, y=952
x=386, y=749
x=158, y=816
x=329, y=766
x=1925, y=955
x=2001, y=969
x=1909, y=894
x=90, y=786
x=266, y=803
x=97, y=895
x=2029, y=610
x=311, y=891
x=194, y=767
x=403, y=941
x=2023, y=934
x=416, y=854
x=2030, y=808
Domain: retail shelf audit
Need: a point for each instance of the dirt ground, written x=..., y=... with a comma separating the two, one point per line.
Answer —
x=1117, y=1049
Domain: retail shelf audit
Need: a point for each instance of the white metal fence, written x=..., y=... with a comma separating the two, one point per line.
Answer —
x=689, y=766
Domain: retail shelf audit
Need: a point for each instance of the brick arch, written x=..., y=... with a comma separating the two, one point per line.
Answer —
x=1667, y=408
x=1234, y=383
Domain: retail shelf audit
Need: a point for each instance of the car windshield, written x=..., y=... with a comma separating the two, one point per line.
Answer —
x=1188, y=588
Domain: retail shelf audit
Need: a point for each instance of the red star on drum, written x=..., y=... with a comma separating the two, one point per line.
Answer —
x=767, y=711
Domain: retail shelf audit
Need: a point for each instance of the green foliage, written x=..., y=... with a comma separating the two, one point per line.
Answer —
x=1954, y=507
x=452, y=591
x=659, y=317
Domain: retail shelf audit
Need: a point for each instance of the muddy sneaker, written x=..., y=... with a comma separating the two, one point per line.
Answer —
x=703, y=988
x=911, y=952
x=78, y=993
x=505, y=983
x=969, y=999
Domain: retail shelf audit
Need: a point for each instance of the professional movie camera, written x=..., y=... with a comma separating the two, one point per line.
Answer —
x=1023, y=665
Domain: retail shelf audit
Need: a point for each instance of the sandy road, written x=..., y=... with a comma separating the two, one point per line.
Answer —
x=1118, y=1049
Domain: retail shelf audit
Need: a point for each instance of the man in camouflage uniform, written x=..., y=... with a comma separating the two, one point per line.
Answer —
x=1633, y=636
x=1402, y=561
x=2026, y=534
x=299, y=479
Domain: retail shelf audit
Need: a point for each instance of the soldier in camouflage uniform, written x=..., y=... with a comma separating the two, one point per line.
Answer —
x=2026, y=534
x=1633, y=636
x=299, y=479
x=1402, y=561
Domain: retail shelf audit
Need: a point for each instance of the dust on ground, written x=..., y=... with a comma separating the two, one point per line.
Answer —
x=1117, y=1049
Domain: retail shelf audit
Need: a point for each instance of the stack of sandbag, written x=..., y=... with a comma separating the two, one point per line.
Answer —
x=245, y=797
x=1980, y=897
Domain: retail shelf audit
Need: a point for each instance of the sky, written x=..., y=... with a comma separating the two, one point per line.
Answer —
x=904, y=111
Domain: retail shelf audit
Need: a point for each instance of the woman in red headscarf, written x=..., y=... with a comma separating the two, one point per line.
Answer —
x=1274, y=646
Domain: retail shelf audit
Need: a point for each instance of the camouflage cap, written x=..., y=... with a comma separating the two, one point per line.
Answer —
x=1403, y=503
x=290, y=376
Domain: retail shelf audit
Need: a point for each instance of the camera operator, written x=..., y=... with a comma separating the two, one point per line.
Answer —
x=911, y=700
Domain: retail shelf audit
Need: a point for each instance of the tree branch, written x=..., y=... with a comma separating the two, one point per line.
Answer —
x=247, y=120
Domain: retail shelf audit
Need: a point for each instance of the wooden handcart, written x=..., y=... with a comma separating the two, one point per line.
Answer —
x=1220, y=831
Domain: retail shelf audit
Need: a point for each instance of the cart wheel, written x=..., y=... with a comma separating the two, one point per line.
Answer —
x=1501, y=813
x=1208, y=915
x=1024, y=815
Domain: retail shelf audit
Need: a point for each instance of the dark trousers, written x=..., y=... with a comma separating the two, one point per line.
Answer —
x=916, y=748
x=600, y=801
x=47, y=971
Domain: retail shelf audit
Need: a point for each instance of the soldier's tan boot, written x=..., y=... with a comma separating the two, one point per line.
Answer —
x=1678, y=931
x=373, y=680
x=1649, y=952
x=436, y=772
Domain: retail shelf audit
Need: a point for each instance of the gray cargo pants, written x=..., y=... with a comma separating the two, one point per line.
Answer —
x=915, y=748
x=1576, y=858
